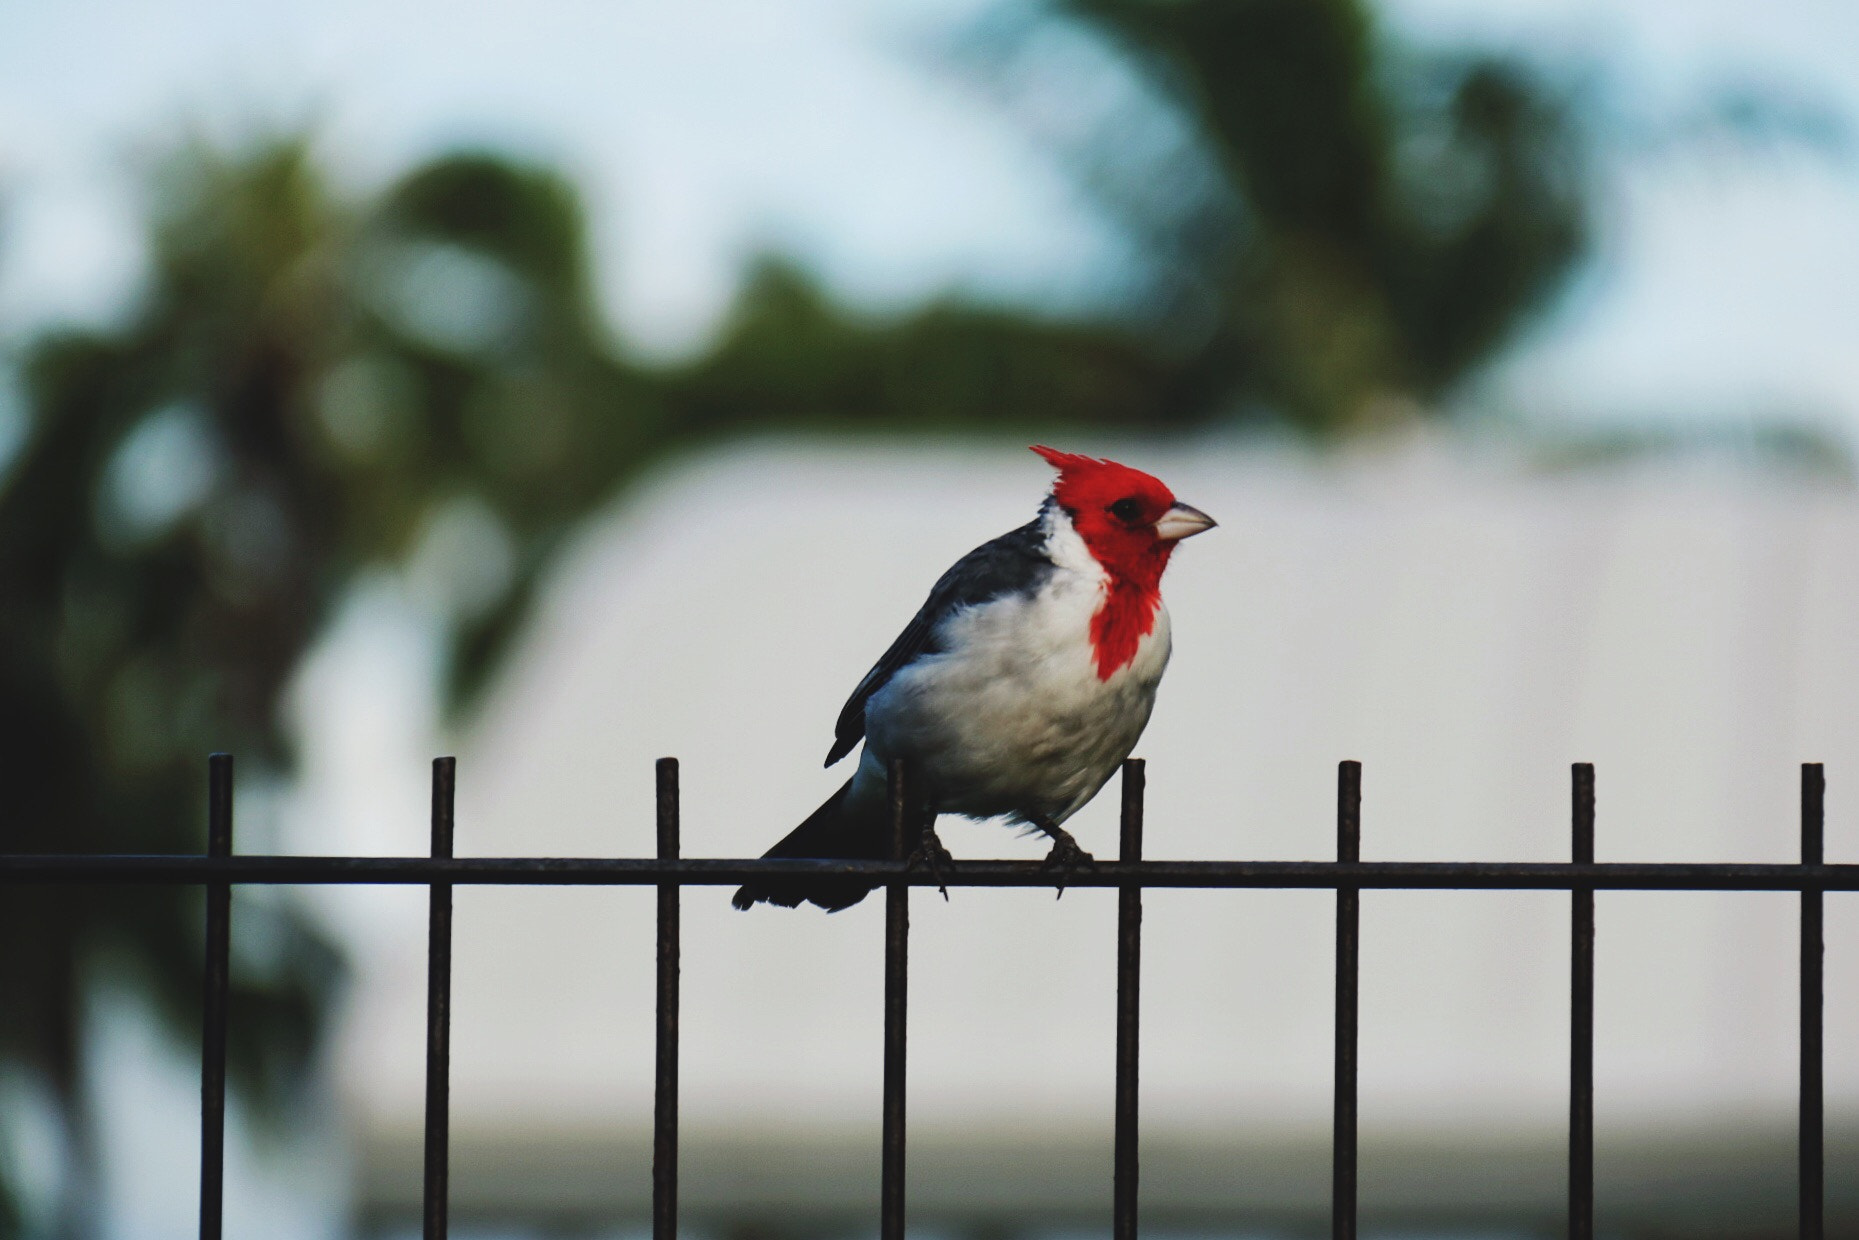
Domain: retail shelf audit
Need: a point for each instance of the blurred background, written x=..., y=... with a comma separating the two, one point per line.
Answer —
x=565, y=385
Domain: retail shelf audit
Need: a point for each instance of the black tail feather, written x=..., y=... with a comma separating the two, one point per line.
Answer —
x=828, y=832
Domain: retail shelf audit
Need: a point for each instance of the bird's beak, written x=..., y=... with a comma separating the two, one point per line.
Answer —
x=1181, y=522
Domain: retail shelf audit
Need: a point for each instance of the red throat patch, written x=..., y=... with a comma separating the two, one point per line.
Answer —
x=1114, y=509
x=1117, y=630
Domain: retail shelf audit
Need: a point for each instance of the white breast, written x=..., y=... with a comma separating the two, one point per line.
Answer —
x=1012, y=719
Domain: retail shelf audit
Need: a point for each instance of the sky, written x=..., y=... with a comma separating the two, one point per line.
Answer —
x=706, y=130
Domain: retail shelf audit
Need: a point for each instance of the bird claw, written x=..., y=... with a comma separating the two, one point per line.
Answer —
x=932, y=855
x=1066, y=857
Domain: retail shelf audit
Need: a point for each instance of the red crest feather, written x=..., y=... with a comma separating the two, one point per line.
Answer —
x=1064, y=462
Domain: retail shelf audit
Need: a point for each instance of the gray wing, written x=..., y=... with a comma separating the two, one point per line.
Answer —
x=1014, y=563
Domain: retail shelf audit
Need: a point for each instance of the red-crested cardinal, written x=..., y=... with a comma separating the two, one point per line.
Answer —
x=1019, y=687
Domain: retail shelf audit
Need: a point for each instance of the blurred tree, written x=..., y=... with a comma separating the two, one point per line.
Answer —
x=789, y=357
x=157, y=580
x=312, y=389
x=1331, y=231
x=306, y=390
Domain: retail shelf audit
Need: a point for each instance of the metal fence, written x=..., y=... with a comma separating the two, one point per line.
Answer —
x=1348, y=875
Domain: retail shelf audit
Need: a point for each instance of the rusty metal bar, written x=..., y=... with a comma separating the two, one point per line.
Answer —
x=904, y=828
x=1581, y=1013
x=439, y=1009
x=1129, y=1007
x=665, y=1083
x=1348, y=951
x=1812, y=1150
x=179, y=869
x=214, y=991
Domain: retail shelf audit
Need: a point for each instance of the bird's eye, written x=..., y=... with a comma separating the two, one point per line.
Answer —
x=1126, y=509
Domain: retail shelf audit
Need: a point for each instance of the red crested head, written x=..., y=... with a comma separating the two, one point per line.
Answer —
x=1130, y=522
x=1113, y=507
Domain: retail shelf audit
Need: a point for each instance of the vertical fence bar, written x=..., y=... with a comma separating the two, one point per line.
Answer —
x=665, y=1085
x=1129, y=1006
x=439, y=1008
x=1812, y=1151
x=1581, y=1012
x=896, y=979
x=1348, y=952
x=214, y=989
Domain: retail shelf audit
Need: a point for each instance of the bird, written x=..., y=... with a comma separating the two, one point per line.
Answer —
x=1019, y=687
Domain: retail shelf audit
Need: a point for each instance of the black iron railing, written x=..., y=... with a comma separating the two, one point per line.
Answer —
x=1348, y=875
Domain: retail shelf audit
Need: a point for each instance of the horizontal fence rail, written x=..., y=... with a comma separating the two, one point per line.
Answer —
x=217, y=871
x=597, y=872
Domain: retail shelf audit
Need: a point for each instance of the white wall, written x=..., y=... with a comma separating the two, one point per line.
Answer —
x=1464, y=626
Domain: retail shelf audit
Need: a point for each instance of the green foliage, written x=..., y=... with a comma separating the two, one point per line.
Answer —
x=1347, y=229
x=313, y=388
x=162, y=565
x=788, y=357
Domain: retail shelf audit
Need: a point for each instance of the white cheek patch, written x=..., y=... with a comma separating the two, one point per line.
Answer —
x=1066, y=548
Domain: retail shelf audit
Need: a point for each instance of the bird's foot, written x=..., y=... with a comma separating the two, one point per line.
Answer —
x=932, y=855
x=1066, y=857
